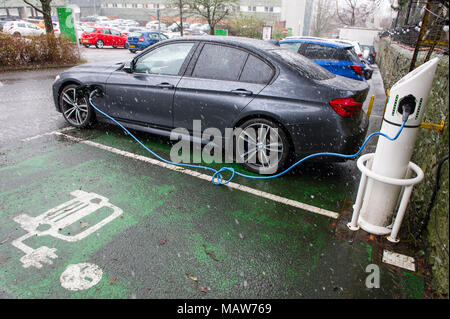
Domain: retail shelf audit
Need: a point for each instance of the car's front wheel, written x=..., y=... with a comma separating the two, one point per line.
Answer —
x=99, y=44
x=75, y=108
x=262, y=146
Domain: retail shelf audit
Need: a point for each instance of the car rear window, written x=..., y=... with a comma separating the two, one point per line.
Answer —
x=135, y=34
x=90, y=30
x=294, y=46
x=304, y=66
x=319, y=52
x=348, y=54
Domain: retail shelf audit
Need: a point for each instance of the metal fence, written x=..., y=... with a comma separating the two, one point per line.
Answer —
x=426, y=28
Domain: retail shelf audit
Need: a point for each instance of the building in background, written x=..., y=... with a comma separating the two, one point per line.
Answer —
x=298, y=15
x=19, y=9
x=295, y=14
x=88, y=7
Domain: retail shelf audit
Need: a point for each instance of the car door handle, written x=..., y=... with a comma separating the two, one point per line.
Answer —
x=242, y=92
x=165, y=85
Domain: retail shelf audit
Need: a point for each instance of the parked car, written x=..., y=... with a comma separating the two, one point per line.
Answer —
x=358, y=49
x=5, y=18
x=369, y=53
x=338, y=58
x=156, y=27
x=101, y=37
x=226, y=82
x=139, y=41
x=193, y=32
x=355, y=44
x=127, y=30
x=22, y=28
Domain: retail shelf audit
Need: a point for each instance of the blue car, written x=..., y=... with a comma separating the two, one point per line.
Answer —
x=139, y=41
x=338, y=58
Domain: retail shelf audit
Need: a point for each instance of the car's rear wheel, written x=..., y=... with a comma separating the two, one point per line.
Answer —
x=262, y=146
x=17, y=34
x=99, y=44
x=86, y=45
x=133, y=51
x=75, y=108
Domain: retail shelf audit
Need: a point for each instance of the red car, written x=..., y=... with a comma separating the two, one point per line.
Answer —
x=101, y=37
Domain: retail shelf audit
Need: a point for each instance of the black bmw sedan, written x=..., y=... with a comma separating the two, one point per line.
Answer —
x=225, y=82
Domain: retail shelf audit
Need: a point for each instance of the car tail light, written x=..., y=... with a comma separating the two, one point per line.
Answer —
x=141, y=39
x=357, y=69
x=11, y=27
x=360, y=54
x=346, y=107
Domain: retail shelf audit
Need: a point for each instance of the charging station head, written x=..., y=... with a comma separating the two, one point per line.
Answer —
x=411, y=92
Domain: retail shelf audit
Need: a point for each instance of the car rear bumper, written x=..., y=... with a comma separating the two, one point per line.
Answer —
x=136, y=46
x=344, y=136
x=88, y=41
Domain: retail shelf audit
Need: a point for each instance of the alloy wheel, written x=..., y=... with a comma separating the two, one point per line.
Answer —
x=74, y=108
x=260, y=147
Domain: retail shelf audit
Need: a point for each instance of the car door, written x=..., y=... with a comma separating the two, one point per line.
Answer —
x=105, y=36
x=218, y=86
x=117, y=39
x=22, y=29
x=146, y=94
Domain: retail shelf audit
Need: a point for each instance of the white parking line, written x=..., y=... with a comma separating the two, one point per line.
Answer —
x=205, y=177
x=64, y=129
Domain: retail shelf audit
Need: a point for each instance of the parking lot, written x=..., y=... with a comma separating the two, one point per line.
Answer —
x=168, y=233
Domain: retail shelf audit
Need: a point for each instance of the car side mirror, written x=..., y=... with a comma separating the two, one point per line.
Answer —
x=128, y=67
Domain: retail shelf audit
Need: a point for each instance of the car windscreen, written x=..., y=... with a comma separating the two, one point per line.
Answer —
x=90, y=30
x=304, y=66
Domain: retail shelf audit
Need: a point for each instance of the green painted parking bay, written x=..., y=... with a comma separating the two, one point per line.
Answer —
x=163, y=234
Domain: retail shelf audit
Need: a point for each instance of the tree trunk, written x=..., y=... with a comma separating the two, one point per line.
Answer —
x=47, y=13
x=181, y=20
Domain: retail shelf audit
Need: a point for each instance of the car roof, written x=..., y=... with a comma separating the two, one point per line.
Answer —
x=324, y=42
x=239, y=41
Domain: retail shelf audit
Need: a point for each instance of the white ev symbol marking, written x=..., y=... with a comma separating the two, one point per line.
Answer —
x=80, y=276
x=57, y=219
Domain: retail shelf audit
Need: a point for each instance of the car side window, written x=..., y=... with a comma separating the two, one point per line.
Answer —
x=114, y=32
x=154, y=36
x=167, y=59
x=256, y=71
x=319, y=52
x=105, y=31
x=219, y=62
x=21, y=25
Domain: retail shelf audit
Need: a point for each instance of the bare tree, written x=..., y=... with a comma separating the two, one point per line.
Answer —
x=182, y=6
x=46, y=10
x=322, y=18
x=213, y=10
x=354, y=12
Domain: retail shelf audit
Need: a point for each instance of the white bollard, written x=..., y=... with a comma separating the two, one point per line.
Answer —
x=385, y=185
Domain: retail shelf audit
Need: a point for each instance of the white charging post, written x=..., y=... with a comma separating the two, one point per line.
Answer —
x=386, y=182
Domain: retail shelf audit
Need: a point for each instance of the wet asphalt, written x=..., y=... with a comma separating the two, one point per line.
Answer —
x=178, y=236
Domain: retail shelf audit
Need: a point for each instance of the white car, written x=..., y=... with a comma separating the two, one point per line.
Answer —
x=155, y=26
x=196, y=26
x=355, y=45
x=22, y=28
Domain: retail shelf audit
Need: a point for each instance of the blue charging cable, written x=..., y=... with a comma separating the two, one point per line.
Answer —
x=217, y=178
